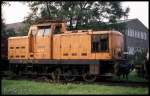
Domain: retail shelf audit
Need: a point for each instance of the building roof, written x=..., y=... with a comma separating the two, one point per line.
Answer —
x=129, y=20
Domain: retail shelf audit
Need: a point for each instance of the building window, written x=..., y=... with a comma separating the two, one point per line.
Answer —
x=133, y=34
x=128, y=49
x=132, y=30
x=145, y=36
x=128, y=31
x=142, y=35
x=138, y=34
x=131, y=50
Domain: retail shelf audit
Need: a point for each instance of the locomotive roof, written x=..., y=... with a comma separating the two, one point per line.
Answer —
x=104, y=32
x=18, y=37
x=90, y=32
x=48, y=22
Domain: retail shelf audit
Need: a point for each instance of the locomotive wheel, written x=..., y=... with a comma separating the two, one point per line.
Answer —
x=68, y=76
x=89, y=78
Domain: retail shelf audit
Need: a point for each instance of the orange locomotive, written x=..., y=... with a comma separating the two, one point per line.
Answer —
x=50, y=48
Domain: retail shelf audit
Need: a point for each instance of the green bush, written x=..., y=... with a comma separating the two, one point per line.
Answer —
x=137, y=58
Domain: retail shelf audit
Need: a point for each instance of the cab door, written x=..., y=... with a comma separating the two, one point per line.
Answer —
x=43, y=42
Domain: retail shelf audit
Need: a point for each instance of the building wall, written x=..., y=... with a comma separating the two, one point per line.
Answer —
x=137, y=36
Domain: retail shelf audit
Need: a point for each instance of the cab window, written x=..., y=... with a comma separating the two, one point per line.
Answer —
x=95, y=43
x=40, y=32
x=47, y=32
x=44, y=31
x=57, y=29
x=99, y=43
x=104, y=42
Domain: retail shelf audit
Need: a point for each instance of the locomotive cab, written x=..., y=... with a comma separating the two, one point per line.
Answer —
x=108, y=49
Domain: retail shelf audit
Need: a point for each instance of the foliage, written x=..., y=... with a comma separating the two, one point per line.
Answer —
x=138, y=57
x=10, y=32
x=86, y=13
x=139, y=60
x=104, y=26
x=133, y=77
x=3, y=3
x=3, y=26
x=83, y=11
x=23, y=30
x=30, y=87
x=5, y=32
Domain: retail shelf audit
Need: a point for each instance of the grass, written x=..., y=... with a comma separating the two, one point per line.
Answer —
x=133, y=77
x=32, y=87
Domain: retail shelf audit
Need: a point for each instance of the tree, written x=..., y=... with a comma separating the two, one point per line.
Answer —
x=10, y=32
x=23, y=30
x=3, y=26
x=83, y=11
x=5, y=3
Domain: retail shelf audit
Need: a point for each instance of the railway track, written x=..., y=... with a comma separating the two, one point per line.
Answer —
x=79, y=81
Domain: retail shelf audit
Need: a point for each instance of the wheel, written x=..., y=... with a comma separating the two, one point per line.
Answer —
x=68, y=76
x=88, y=77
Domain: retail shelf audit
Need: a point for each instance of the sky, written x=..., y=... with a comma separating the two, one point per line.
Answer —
x=17, y=11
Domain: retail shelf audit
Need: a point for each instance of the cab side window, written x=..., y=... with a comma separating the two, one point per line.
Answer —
x=40, y=32
x=57, y=29
x=99, y=43
x=44, y=31
x=104, y=42
x=47, y=32
x=95, y=43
